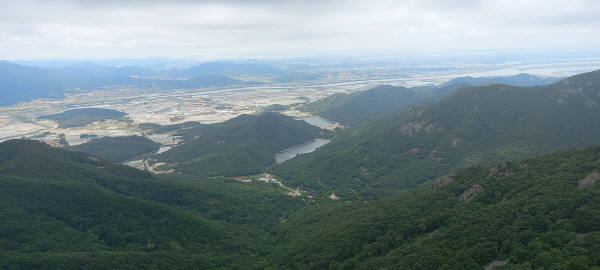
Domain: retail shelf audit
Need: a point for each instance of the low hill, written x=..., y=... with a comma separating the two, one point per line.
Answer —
x=473, y=126
x=540, y=213
x=117, y=149
x=82, y=117
x=244, y=145
x=351, y=109
x=69, y=210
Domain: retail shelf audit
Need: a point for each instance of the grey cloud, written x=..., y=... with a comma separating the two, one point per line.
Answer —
x=70, y=28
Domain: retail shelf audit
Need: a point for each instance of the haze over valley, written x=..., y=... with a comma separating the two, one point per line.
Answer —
x=166, y=104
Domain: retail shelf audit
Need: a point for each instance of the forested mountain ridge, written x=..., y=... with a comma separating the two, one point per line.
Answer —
x=243, y=145
x=355, y=108
x=351, y=109
x=542, y=212
x=69, y=210
x=472, y=126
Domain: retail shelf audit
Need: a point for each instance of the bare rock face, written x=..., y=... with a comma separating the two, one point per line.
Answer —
x=432, y=127
x=470, y=193
x=523, y=166
x=495, y=263
x=494, y=170
x=411, y=128
x=500, y=171
x=433, y=157
x=414, y=150
x=442, y=181
x=455, y=141
x=589, y=180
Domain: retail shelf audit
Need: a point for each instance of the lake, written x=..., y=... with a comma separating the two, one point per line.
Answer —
x=306, y=148
x=163, y=149
x=316, y=121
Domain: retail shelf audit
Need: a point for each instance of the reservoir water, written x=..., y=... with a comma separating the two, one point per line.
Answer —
x=163, y=149
x=316, y=121
x=305, y=148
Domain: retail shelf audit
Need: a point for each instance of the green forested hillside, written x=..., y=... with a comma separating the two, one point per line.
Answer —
x=69, y=210
x=472, y=126
x=351, y=109
x=540, y=213
x=244, y=145
x=82, y=117
x=117, y=149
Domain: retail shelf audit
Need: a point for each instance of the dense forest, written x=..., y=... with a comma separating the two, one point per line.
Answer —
x=82, y=117
x=537, y=213
x=479, y=125
x=117, y=149
x=244, y=145
x=69, y=210
x=353, y=109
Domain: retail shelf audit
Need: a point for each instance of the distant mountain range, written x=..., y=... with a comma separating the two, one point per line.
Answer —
x=53, y=78
x=20, y=83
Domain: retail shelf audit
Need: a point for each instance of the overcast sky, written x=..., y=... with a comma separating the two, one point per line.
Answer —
x=206, y=30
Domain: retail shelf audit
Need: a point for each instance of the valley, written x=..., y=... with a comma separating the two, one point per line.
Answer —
x=217, y=104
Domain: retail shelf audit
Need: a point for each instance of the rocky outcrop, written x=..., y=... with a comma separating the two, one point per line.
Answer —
x=414, y=150
x=455, y=141
x=433, y=157
x=432, y=127
x=470, y=193
x=589, y=181
x=442, y=181
x=500, y=170
x=495, y=263
x=411, y=128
